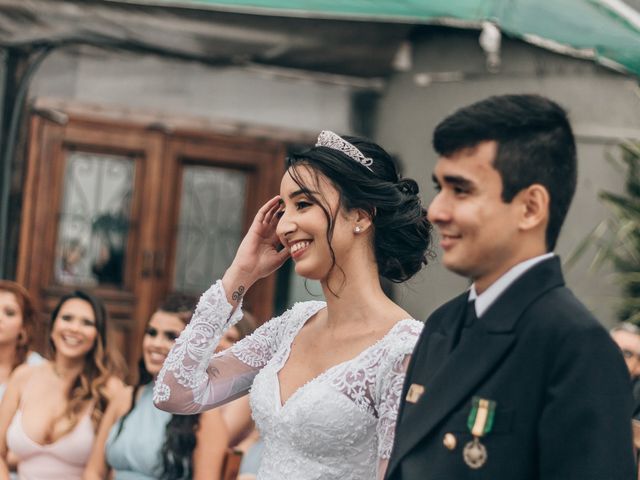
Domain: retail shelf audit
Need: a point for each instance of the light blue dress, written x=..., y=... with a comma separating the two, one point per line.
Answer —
x=135, y=454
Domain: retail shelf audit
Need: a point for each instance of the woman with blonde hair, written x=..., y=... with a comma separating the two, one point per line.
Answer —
x=50, y=412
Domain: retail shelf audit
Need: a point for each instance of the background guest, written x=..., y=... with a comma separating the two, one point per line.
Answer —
x=50, y=411
x=627, y=336
x=18, y=319
x=136, y=441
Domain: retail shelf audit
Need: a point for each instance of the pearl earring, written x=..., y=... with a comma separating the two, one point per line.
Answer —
x=357, y=229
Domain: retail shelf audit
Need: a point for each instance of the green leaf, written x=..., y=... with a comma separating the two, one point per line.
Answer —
x=616, y=240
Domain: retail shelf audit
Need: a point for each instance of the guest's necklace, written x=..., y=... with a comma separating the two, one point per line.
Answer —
x=62, y=375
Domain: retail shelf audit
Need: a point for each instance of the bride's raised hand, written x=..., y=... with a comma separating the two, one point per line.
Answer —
x=260, y=252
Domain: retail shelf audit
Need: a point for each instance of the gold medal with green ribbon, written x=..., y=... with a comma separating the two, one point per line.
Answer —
x=480, y=423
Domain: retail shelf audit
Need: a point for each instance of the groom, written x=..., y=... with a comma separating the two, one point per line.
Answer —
x=514, y=379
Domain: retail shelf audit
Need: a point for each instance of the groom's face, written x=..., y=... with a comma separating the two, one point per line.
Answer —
x=478, y=230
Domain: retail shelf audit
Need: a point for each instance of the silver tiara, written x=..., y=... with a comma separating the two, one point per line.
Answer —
x=331, y=140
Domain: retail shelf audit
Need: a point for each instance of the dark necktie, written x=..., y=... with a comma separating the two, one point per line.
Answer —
x=470, y=315
x=468, y=320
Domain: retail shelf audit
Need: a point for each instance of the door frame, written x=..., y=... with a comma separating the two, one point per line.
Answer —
x=166, y=141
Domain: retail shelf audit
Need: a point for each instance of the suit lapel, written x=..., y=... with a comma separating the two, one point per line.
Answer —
x=452, y=381
x=464, y=370
x=441, y=342
x=438, y=334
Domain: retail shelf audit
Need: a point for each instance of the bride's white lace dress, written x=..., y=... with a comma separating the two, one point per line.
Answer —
x=339, y=425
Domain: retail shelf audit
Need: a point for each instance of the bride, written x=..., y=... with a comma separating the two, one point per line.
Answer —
x=325, y=378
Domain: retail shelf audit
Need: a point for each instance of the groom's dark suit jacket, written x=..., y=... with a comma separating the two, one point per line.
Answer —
x=562, y=390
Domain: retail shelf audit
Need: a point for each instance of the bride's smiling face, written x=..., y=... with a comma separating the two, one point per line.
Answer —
x=311, y=205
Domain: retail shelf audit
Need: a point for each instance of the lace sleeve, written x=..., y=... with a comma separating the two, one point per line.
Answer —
x=389, y=390
x=192, y=379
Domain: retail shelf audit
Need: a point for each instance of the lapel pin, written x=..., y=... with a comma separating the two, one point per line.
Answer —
x=414, y=393
x=450, y=441
x=480, y=423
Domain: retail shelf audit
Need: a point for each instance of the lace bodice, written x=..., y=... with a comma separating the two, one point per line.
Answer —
x=340, y=424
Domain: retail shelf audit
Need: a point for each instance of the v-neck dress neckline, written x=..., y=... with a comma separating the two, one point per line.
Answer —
x=327, y=371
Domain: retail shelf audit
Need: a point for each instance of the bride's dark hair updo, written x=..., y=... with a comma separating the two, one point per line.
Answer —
x=402, y=233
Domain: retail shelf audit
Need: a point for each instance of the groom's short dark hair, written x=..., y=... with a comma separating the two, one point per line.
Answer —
x=535, y=145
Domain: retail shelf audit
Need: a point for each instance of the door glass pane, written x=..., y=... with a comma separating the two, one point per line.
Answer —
x=211, y=217
x=94, y=219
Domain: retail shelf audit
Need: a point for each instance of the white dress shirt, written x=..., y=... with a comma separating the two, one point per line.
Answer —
x=486, y=298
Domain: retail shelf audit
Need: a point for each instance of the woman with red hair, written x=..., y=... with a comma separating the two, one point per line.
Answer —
x=18, y=319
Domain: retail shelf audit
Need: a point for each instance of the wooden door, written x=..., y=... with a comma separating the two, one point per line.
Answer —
x=213, y=185
x=125, y=210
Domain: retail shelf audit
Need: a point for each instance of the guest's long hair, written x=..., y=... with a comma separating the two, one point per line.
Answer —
x=29, y=319
x=180, y=434
x=91, y=383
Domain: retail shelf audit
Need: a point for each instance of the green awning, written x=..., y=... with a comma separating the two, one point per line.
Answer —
x=607, y=31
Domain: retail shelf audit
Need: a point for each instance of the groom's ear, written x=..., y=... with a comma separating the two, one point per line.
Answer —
x=534, y=212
